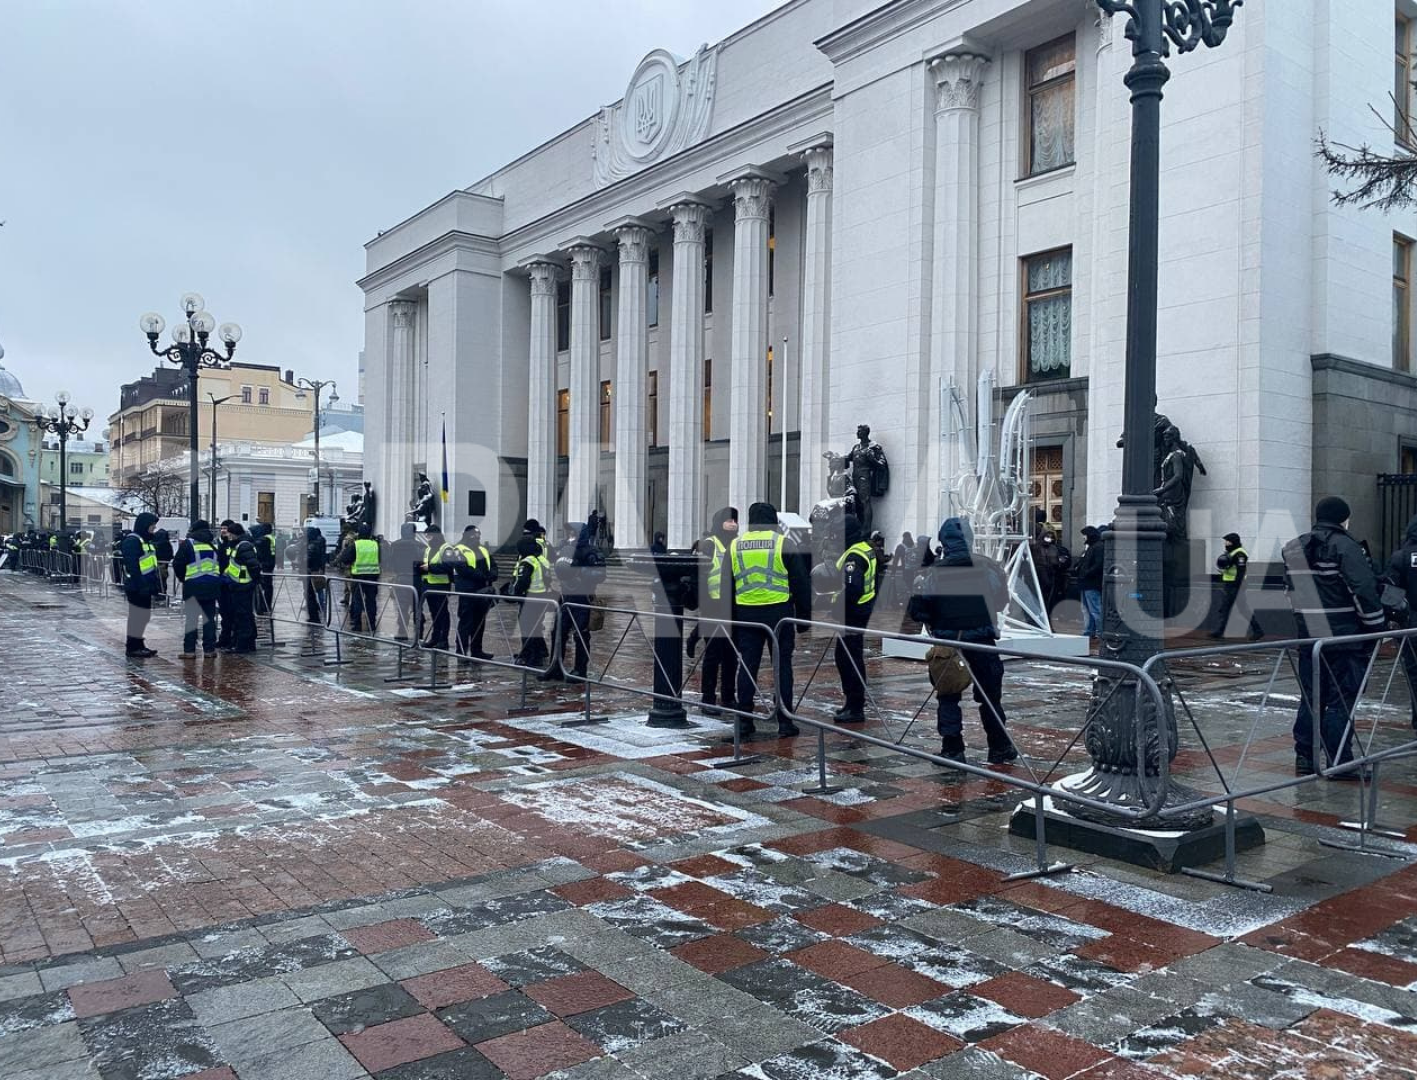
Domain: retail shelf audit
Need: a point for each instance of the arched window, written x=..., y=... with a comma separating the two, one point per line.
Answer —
x=7, y=465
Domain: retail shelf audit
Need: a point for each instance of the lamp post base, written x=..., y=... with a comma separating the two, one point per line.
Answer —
x=1167, y=850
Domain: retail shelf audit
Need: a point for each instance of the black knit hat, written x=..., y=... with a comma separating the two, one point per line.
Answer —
x=762, y=513
x=1232, y=538
x=1332, y=510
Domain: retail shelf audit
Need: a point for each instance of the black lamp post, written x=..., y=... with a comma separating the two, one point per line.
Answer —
x=63, y=420
x=316, y=386
x=211, y=490
x=1132, y=620
x=189, y=348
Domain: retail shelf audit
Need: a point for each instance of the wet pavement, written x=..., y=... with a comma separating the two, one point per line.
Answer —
x=274, y=866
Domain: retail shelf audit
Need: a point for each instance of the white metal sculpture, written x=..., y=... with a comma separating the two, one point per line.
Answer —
x=987, y=483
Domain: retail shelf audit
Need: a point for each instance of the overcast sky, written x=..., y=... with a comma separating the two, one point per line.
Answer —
x=247, y=150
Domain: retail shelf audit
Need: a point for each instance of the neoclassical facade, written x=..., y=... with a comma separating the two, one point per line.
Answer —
x=846, y=213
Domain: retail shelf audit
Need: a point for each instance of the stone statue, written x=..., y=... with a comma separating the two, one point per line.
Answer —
x=870, y=475
x=1159, y=423
x=424, y=503
x=368, y=510
x=355, y=509
x=1178, y=466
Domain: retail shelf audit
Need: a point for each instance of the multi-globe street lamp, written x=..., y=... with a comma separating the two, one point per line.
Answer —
x=64, y=420
x=211, y=490
x=316, y=387
x=1133, y=613
x=189, y=349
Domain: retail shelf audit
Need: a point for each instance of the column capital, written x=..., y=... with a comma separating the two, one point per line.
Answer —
x=586, y=259
x=402, y=312
x=633, y=235
x=752, y=195
x=958, y=78
x=819, y=169
x=691, y=220
x=543, y=278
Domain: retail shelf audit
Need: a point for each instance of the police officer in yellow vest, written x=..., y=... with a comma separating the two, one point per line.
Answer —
x=856, y=571
x=531, y=579
x=1232, y=564
x=474, y=576
x=197, y=567
x=140, y=583
x=716, y=602
x=770, y=585
x=361, y=559
x=436, y=577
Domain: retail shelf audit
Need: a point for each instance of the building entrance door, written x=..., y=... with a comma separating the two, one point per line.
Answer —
x=1048, y=487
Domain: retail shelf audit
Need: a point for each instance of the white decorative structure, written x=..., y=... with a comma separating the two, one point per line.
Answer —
x=665, y=109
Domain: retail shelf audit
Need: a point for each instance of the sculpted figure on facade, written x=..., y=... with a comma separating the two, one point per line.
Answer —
x=423, y=505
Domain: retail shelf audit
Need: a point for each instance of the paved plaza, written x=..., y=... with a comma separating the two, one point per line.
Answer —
x=268, y=867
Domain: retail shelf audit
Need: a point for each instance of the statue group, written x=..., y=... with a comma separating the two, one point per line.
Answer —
x=858, y=477
x=361, y=507
x=423, y=505
x=1174, y=465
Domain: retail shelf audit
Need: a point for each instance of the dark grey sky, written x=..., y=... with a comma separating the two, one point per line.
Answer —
x=247, y=150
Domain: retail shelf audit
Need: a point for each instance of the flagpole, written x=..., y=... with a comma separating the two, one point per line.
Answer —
x=782, y=427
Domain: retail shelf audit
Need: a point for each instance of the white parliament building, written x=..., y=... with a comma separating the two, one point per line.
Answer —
x=840, y=209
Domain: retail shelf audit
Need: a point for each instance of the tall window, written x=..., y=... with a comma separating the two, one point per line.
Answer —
x=653, y=408
x=263, y=396
x=1401, y=303
x=708, y=270
x=266, y=507
x=605, y=305
x=605, y=431
x=1048, y=315
x=708, y=399
x=76, y=468
x=1052, y=73
x=652, y=292
x=1402, y=83
x=246, y=395
x=772, y=248
x=563, y=316
x=563, y=423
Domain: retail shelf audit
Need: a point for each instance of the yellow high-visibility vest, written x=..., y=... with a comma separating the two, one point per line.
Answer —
x=238, y=574
x=433, y=578
x=759, y=571
x=1231, y=572
x=366, y=558
x=869, y=554
x=147, y=561
x=715, y=574
x=204, y=563
x=540, y=574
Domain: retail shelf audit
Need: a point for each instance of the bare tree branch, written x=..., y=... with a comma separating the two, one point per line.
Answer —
x=1374, y=180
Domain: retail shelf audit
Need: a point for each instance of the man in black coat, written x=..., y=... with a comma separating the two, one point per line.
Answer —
x=960, y=597
x=1402, y=572
x=195, y=564
x=855, y=576
x=401, y=570
x=716, y=602
x=579, y=574
x=140, y=582
x=1333, y=592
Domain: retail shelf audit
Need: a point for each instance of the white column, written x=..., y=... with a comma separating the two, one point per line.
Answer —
x=397, y=480
x=816, y=329
x=628, y=392
x=541, y=398
x=585, y=381
x=686, y=374
x=747, y=420
x=954, y=317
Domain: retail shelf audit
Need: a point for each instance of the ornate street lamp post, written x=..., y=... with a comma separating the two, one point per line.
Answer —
x=1132, y=621
x=63, y=420
x=211, y=490
x=189, y=349
x=316, y=386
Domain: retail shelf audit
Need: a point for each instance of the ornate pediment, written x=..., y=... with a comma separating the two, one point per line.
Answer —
x=667, y=106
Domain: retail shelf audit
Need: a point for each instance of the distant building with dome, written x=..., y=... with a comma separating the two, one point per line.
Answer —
x=19, y=456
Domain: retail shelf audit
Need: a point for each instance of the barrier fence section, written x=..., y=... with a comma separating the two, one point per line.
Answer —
x=1152, y=745
x=461, y=624
x=1330, y=678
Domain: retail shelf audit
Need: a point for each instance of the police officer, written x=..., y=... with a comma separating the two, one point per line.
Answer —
x=1333, y=592
x=1402, y=572
x=406, y=554
x=531, y=579
x=242, y=574
x=436, y=577
x=195, y=564
x=473, y=580
x=716, y=602
x=1232, y=564
x=856, y=571
x=140, y=583
x=770, y=585
x=361, y=559
x=579, y=571
x=536, y=531
x=265, y=544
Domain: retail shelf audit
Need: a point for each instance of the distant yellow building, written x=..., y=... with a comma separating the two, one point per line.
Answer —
x=152, y=419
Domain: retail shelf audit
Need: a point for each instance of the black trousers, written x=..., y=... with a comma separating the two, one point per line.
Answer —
x=227, y=612
x=1231, y=593
x=472, y=622
x=988, y=670
x=720, y=667
x=529, y=616
x=268, y=587
x=572, y=623
x=241, y=613
x=364, y=599
x=851, y=656
x=751, y=641
x=1409, y=663
x=315, y=601
x=438, y=615
x=205, y=607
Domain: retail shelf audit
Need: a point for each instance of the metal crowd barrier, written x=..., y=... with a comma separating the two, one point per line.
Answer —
x=1364, y=766
x=503, y=620
x=336, y=605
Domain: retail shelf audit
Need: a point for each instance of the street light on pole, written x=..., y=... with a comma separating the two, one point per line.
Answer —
x=64, y=420
x=316, y=386
x=211, y=490
x=1133, y=615
x=189, y=349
